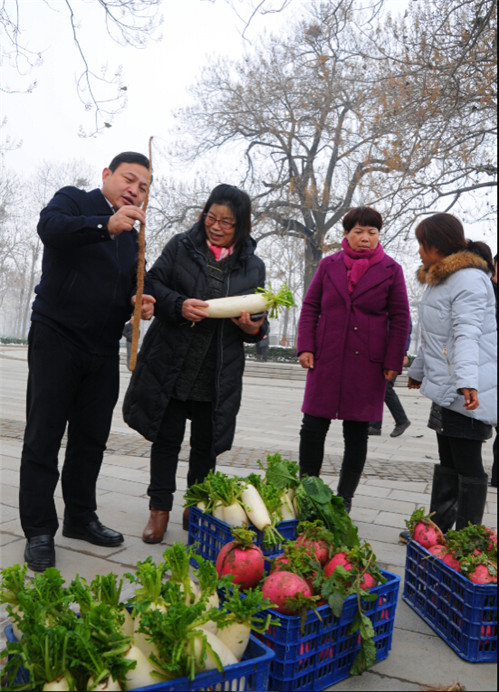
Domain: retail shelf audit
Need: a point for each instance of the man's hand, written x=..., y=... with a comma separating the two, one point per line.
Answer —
x=191, y=311
x=147, y=309
x=124, y=219
x=306, y=360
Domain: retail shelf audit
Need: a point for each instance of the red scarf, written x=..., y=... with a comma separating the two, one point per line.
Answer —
x=220, y=252
x=358, y=263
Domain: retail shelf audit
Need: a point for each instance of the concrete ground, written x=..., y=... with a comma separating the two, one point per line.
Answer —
x=396, y=481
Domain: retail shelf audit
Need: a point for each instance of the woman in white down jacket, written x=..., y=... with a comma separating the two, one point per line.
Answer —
x=456, y=366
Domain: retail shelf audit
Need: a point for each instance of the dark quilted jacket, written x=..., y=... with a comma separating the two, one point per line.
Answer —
x=180, y=273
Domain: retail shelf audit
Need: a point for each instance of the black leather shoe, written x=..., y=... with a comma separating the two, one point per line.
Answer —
x=93, y=532
x=404, y=537
x=40, y=553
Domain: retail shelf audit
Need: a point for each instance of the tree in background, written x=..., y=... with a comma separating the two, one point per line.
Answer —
x=355, y=107
x=20, y=247
x=128, y=23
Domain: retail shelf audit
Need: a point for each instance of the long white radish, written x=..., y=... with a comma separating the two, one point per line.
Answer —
x=234, y=515
x=233, y=306
x=141, y=675
x=255, y=507
x=287, y=509
x=226, y=656
x=236, y=637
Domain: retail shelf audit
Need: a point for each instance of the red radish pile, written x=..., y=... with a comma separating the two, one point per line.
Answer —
x=472, y=551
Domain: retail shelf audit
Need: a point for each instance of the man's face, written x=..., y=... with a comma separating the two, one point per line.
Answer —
x=126, y=185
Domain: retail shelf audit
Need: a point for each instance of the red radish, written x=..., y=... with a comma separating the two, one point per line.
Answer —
x=481, y=575
x=320, y=548
x=423, y=530
x=280, y=586
x=338, y=559
x=451, y=561
x=367, y=580
x=438, y=550
x=427, y=534
x=242, y=559
x=280, y=563
x=492, y=539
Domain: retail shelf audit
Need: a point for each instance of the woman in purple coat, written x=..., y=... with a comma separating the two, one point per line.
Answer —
x=345, y=343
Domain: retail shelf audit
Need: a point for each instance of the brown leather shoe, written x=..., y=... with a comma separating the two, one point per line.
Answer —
x=185, y=518
x=156, y=526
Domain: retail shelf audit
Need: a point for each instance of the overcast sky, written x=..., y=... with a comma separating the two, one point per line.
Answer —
x=46, y=122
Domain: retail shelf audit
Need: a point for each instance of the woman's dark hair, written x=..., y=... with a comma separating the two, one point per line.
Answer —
x=483, y=250
x=128, y=157
x=240, y=205
x=445, y=233
x=364, y=216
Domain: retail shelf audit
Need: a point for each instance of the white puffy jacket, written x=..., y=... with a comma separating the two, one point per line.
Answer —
x=458, y=335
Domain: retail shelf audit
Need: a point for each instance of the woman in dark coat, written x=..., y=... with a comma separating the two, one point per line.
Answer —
x=344, y=341
x=191, y=366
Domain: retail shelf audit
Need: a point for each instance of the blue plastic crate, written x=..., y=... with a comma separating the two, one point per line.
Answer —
x=252, y=673
x=324, y=653
x=212, y=534
x=462, y=613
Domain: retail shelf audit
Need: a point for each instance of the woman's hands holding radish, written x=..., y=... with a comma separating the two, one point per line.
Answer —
x=245, y=323
x=191, y=310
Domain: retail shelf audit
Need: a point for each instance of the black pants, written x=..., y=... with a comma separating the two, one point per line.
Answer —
x=462, y=455
x=394, y=406
x=66, y=385
x=313, y=436
x=165, y=450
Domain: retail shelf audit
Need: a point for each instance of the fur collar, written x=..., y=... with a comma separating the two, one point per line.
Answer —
x=449, y=265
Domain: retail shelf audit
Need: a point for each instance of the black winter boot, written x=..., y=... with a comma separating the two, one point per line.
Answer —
x=471, y=500
x=347, y=485
x=444, y=493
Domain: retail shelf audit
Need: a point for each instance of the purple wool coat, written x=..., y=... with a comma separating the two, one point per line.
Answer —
x=349, y=337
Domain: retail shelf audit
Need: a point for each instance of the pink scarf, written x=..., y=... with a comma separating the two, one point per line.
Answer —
x=357, y=263
x=220, y=253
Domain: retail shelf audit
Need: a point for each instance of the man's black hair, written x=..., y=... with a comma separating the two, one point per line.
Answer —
x=129, y=157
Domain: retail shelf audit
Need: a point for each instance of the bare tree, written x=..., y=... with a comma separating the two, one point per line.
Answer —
x=327, y=118
x=128, y=22
x=20, y=247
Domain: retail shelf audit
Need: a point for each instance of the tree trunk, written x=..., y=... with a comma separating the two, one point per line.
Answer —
x=313, y=257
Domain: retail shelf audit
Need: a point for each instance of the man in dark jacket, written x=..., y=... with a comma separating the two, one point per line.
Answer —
x=82, y=302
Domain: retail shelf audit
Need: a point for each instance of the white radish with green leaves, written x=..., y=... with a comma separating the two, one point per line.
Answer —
x=261, y=301
x=233, y=306
x=59, y=685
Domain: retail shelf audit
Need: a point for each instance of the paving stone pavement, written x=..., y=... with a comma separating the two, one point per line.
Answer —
x=397, y=479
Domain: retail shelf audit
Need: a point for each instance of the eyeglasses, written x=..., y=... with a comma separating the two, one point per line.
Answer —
x=225, y=224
